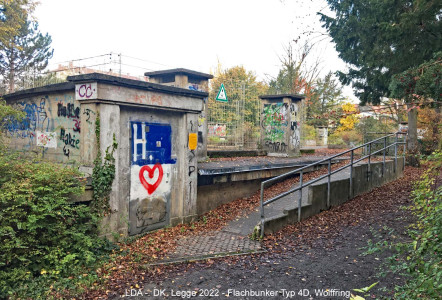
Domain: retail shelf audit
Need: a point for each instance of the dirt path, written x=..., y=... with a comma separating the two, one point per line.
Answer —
x=322, y=254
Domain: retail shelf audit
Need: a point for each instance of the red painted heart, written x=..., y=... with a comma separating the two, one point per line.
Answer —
x=151, y=187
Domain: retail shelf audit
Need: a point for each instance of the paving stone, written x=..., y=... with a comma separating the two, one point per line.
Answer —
x=213, y=243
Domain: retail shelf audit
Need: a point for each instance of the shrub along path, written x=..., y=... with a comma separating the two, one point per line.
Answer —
x=322, y=252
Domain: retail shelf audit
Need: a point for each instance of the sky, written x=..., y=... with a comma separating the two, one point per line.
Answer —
x=193, y=34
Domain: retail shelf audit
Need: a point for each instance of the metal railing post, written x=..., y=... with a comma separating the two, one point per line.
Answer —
x=351, y=175
x=383, y=162
x=300, y=197
x=405, y=144
x=369, y=162
x=328, y=184
x=328, y=160
x=405, y=150
x=395, y=153
x=262, y=210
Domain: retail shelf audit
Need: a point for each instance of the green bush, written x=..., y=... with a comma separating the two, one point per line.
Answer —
x=214, y=139
x=308, y=132
x=420, y=259
x=45, y=239
x=307, y=151
x=336, y=140
x=349, y=138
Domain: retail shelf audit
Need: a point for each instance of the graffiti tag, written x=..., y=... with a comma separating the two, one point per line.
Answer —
x=86, y=91
x=151, y=187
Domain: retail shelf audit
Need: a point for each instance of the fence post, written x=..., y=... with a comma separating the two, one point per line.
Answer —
x=395, y=152
x=405, y=150
x=383, y=162
x=369, y=163
x=351, y=175
x=405, y=145
x=300, y=197
x=328, y=184
x=262, y=210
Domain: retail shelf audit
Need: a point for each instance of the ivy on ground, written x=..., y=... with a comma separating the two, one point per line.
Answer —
x=420, y=260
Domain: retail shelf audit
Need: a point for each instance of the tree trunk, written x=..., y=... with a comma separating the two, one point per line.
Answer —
x=11, y=73
x=412, y=145
x=11, y=82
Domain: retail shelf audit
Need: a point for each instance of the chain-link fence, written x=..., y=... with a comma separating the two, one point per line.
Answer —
x=234, y=124
x=110, y=63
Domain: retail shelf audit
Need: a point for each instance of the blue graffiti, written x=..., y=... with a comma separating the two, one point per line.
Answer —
x=35, y=118
x=151, y=143
x=195, y=87
x=66, y=99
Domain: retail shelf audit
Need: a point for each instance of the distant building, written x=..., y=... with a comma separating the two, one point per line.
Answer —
x=375, y=111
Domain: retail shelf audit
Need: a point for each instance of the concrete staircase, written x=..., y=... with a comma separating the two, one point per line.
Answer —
x=314, y=197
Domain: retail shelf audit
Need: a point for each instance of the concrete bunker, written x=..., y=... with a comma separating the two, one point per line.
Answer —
x=192, y=80
x=155, y=126
x=281, y=124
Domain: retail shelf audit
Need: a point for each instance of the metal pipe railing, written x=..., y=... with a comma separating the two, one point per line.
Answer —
x=328, y=160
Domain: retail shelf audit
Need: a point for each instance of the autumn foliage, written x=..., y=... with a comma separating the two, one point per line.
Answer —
x=349, y=119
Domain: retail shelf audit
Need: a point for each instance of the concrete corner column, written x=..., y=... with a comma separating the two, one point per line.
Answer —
x=88, y=149
x=109, y=126
x=191, y=169
x=321, y=135
x=294, y=134
x=202, y=133
x=181, y=80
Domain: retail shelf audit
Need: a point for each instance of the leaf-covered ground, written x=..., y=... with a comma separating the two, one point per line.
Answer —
x=319, y=253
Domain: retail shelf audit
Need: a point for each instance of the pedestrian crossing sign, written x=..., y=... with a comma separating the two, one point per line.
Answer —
x=222, y=96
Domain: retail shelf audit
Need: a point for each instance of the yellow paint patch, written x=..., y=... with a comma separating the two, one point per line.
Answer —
x=193, y=141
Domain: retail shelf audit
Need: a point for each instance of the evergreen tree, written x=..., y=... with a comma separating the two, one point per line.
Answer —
x=23, y=49
x=382, y=38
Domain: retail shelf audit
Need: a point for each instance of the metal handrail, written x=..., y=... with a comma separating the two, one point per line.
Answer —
x=330, y=173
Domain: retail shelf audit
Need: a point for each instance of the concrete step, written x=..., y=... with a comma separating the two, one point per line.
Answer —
x=280, y=209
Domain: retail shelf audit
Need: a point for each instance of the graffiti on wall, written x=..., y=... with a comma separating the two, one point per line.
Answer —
x=150, y=99
x=53, y=123
x=274, y=122
x=86, y=91
x=295, y=137
x=36, y=118
x=202, y=116
x=276, y=146
x=151, y=167
x=46, y=139
x=201, y=122
x=192, y=168
x=89, y=113
x=218, y=130
x=195, y=87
